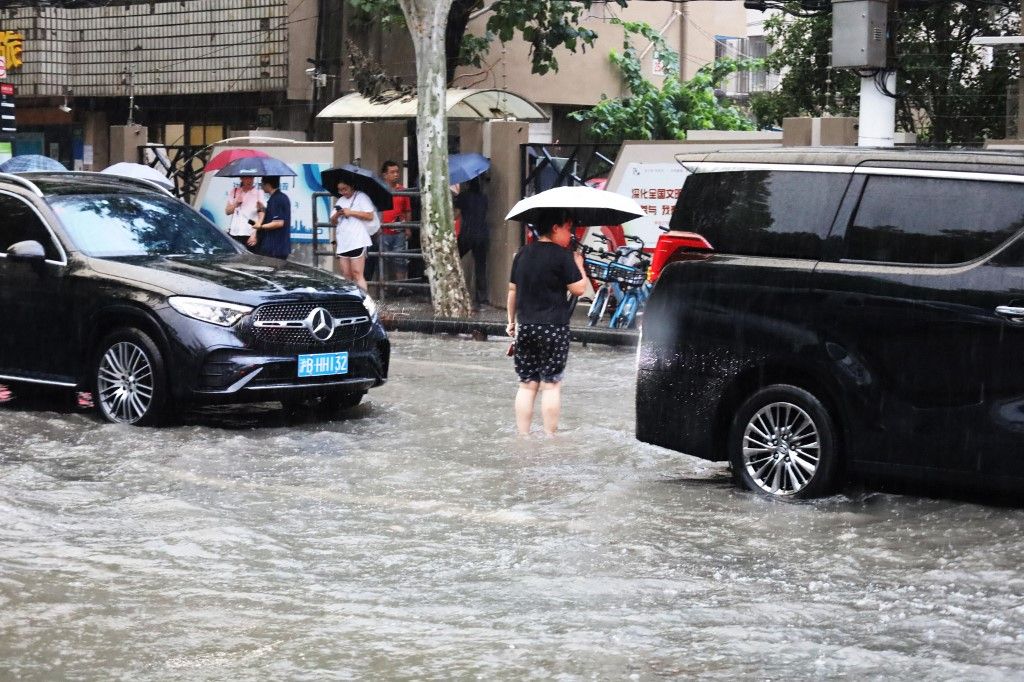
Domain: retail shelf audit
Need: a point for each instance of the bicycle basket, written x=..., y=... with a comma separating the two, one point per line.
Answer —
x=597, y=269
x=626, y=275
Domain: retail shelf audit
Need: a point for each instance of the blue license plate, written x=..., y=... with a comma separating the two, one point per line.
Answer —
x=323, y=364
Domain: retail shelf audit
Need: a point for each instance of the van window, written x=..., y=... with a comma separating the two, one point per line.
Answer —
x=19, y=223
x=761, y=213
x=932, y=221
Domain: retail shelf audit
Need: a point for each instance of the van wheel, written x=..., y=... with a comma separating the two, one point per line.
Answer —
x=782, y=444
x=130, y=386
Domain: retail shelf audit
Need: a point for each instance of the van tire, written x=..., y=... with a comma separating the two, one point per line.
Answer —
x=782, y=443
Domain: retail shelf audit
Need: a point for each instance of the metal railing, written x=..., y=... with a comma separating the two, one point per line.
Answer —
x=379, y=282
x=543, y=166
x=182, y=164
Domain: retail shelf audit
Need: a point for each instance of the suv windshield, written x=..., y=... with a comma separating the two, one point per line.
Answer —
x=113, y=225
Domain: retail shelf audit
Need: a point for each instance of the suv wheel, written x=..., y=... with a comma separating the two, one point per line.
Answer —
x=130, y=385
x=337, y=402
x=782, y=444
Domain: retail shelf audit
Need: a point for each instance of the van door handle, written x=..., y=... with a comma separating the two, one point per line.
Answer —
x=1011, y=312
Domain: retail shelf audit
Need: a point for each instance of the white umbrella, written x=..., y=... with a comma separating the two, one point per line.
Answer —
x=586, y=205
x=139, y=171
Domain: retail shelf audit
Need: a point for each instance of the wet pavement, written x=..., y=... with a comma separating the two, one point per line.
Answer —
x=420, y=538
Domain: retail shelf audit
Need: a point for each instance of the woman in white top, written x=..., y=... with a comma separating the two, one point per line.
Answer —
x=244, y=202
x=354, y=215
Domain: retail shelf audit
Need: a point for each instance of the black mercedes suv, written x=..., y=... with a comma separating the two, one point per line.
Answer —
x=113, y=286
x=860, y=310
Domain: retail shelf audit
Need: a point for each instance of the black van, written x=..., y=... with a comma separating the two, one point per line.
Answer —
x=861, y=310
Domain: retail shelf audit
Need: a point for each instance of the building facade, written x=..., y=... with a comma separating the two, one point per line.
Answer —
x=196, y=71
x=190, y=70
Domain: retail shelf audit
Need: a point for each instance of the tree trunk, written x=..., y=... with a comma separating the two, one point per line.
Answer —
x=427, y=20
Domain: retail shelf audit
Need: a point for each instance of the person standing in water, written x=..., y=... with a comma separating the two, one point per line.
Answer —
x=544, y=274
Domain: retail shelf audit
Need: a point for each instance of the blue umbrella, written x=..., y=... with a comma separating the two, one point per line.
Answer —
x=465, y=167
x=26, y=163
x=255, y=166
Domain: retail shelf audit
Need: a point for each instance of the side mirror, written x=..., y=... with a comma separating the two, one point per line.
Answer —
x=26, y=251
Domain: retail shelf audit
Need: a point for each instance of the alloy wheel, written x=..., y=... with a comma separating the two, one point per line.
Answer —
x=125, y=383
x=781, y=448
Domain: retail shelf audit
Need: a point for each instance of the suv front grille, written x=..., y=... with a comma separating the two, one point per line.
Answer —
x=292, y=332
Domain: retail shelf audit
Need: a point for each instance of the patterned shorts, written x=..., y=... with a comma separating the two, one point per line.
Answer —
x=541, y=352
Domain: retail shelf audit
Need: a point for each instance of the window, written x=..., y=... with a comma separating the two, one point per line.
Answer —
x=19, y=223
x=761, y=213
x=118, y=225
x=932, y=221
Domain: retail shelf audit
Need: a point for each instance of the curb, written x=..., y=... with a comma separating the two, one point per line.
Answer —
x=610, y=337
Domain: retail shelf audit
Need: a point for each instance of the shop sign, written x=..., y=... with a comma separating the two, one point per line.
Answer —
x=11, y=43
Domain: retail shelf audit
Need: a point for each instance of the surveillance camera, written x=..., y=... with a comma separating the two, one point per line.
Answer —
x=65, y=108
x=311, y=70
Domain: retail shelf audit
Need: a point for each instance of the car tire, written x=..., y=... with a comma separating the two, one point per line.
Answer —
x=336, y=402
x=129, y=379
x=782, y=444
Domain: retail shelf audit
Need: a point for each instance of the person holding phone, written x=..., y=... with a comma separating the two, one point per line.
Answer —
x=356, y=218
x=244, y=203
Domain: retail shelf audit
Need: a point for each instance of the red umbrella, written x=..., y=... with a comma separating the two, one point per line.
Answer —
x=229, y=155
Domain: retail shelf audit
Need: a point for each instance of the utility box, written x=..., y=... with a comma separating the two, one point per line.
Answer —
x=858, y=34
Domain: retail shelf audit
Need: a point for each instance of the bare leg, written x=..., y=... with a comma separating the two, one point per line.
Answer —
x=357, y=265
x=550, y=406
x=524, y=406
x=344, y=269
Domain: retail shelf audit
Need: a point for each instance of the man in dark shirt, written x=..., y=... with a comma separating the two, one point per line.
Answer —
x=543, y=273
x=471, y=204
x=273, y=236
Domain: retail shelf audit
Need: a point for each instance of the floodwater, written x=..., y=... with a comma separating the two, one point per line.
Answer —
x=420, y=538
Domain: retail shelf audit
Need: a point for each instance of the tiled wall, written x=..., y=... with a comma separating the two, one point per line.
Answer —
x=177, y=47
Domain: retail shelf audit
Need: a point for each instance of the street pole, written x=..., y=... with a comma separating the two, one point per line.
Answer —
x=877, y=125
x=861, y=40
x=1020, y=83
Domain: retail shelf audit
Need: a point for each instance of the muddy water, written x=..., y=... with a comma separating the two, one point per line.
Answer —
x=419, y=538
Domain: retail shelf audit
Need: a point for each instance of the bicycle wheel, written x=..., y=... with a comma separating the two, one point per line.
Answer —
x=625, y=316
x=597, y=307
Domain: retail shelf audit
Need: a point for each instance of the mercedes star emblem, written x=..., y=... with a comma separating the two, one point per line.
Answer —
x=320, y=324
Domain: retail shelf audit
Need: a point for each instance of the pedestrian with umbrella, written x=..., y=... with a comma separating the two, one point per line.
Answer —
x=471, y=210
x=360, y=195
x=273, y=225
x=546, y=276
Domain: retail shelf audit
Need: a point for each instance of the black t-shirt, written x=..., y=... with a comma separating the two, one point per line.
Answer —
x=541, y=272
x=473, y=206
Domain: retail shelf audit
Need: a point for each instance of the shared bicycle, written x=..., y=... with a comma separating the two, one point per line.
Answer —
x=622, y=275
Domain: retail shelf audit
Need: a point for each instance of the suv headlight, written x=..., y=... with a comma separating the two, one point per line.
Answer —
x=371, y=306
x=215, y=312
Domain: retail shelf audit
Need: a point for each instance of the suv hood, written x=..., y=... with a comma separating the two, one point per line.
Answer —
x=238, y=278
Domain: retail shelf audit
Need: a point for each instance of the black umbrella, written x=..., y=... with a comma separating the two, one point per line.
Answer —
x=360, y=179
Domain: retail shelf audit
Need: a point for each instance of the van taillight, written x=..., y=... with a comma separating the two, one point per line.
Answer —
x=676, y=246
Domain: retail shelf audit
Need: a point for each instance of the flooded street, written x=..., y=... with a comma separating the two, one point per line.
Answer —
x=420, y=538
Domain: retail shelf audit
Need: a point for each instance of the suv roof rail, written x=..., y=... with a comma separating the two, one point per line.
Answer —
x=141, y=182
x=24, y=182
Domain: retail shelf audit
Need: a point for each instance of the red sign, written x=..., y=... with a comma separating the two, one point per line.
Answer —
x=6, y=89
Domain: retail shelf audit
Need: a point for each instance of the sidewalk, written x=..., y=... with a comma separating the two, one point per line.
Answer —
x=415, y=314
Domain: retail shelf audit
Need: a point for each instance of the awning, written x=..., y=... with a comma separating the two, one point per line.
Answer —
x=463, y=105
